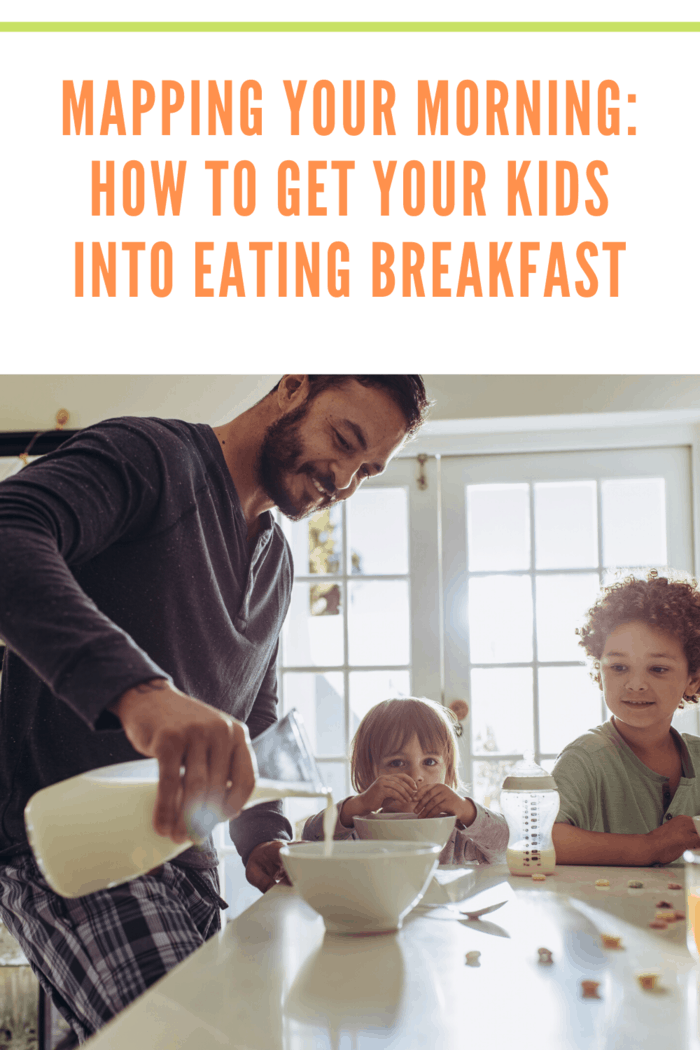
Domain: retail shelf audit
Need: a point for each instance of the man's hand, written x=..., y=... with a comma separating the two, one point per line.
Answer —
x=164, y=723
x=264, y=868
x=672, y=838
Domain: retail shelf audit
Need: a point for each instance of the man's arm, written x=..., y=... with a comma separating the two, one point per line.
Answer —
x=260, y=832
x=103, y=487
x=59, y=512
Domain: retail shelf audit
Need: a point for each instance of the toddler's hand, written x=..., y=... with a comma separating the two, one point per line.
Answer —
x=432, y=800
x=672, y=838
x=389, y=787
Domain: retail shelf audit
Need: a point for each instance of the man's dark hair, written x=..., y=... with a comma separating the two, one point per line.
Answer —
x=407, y=391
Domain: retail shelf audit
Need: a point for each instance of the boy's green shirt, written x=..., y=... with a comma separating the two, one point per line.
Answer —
x=603, y=786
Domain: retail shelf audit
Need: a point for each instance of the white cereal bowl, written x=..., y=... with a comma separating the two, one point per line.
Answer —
x=406, y=827
x=363, y=887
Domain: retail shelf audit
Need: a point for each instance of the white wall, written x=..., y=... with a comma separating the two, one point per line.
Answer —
x=484, y=397
x=29, y=402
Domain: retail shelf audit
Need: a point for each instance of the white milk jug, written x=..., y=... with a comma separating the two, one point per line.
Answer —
x=95, y=830
x=530, y=803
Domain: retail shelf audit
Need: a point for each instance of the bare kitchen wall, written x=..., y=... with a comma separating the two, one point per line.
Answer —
x=30, y=402
x=485, y=397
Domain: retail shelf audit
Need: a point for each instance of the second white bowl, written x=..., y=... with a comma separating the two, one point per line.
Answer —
x=406, y=827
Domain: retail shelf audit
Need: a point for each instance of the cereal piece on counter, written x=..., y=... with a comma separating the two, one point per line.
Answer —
x=666, y=915
x=472, y=958
x=590, y=989
x=674, y=886
x=602, y=882
x=539, y=878
x=648, y=980
x=609, y=941
x=663, y=904
x=657, y=924
x=635, y=884
x=545, y=955
x=679, y=915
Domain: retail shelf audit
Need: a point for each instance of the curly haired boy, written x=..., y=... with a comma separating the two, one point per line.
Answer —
x=629, y=787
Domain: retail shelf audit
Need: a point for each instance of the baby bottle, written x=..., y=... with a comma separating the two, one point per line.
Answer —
x=530, y=803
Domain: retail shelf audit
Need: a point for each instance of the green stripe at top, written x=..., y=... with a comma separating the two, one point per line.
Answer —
x=349, y=27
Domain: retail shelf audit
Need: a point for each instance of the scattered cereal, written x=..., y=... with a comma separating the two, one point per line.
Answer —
x=674, y=886
x=590, y=989
x=635, y=884
x=679, y=915
x=657, y=925
x=666, y=915
x=663, y=904
x=545, y=955
x=473, y=958
x=609, y=941
x=648, y=980
x=539, y=878
x=602, y=882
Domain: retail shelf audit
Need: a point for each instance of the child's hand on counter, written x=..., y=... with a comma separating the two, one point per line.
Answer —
x=671, y=839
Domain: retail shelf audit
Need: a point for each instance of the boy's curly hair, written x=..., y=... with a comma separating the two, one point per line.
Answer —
x=668, y=603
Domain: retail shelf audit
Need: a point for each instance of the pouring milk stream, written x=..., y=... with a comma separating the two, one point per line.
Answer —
x=95, y=830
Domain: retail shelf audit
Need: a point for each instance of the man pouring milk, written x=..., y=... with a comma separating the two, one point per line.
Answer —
x=143, y=587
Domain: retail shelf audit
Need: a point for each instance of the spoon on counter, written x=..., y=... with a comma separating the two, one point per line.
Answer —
x=483, y=911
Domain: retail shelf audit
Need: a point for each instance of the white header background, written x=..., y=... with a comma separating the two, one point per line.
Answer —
x=46, y=200
x=365, y=10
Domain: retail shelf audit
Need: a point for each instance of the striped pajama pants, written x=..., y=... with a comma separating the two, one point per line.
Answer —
x=95, y=954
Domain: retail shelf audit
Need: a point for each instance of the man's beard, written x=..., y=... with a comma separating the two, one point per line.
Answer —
x=280, y=456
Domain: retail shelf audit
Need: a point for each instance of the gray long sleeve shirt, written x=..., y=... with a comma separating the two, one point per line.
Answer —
x=123, y=557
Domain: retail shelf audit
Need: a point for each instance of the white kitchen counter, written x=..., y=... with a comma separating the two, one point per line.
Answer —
x=272, y=981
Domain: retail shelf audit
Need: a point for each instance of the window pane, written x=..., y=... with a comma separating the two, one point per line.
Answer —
x=569, y=704
x=566, y=535
x=615, y=575
x=336, y=776
x=319, y=700
x=368, y=688
x=488, y=781
x=501, y=711
x=378, y=622
x=498, y=527
x=500, y=619
x=634, y=521
x=561, y=605
x=313, y=630
x=10, y=465
x=378, y=532
x=316, y=542
x=298, y=810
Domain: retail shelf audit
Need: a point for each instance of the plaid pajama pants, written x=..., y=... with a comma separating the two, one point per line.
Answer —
x=95, y=954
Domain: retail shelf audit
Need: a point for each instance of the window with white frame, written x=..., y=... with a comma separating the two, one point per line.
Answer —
x=541, y=533
x=483, y=608
x=346, y=640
